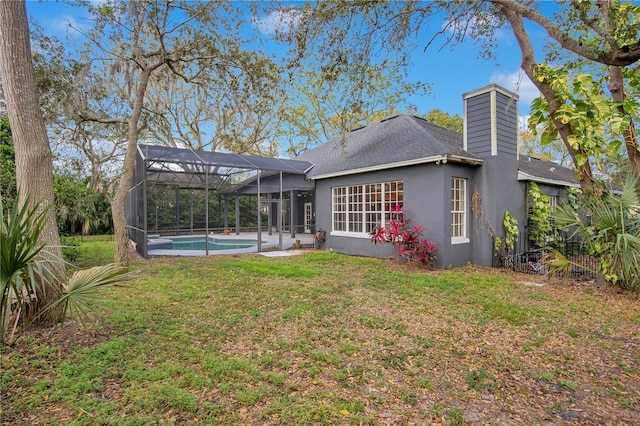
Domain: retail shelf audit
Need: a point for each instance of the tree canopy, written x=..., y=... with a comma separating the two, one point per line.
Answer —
x=583, y=35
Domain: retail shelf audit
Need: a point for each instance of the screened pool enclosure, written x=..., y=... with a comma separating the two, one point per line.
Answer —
x=186, y=192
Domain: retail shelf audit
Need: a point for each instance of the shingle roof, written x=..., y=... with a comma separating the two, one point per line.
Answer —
x=399, y=139
x=545, y=171
x=406, y=138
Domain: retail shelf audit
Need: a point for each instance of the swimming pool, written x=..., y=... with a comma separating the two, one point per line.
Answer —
x=198, y=243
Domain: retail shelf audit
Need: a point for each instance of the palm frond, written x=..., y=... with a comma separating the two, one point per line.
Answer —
x=86, y=286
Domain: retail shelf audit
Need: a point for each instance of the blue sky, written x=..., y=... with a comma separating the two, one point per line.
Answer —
x=450, y=71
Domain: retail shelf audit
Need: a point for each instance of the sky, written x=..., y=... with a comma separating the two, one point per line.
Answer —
x=451, y=72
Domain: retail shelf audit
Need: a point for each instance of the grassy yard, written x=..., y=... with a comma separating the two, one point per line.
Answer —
x=323, y=338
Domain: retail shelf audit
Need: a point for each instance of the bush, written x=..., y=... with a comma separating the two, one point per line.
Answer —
x=70, y=249
x=608, y=225
x=406, y=240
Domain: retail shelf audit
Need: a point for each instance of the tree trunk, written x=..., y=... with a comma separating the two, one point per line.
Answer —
x=34, y=166
x=616, y=88
x=584, y=173
x=121, y=234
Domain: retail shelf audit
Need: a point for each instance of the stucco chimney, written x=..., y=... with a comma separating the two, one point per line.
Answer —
x=491, y=122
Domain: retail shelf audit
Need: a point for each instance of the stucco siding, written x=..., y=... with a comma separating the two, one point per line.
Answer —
x=427, y=200
x=460, y=253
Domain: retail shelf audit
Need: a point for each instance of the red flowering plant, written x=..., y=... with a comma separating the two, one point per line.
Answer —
x=406, y=239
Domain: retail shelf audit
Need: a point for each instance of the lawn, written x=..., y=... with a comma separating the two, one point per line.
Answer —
x=324, y=338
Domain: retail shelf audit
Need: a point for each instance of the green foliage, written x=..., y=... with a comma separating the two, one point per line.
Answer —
x=90, y=251
x=583, y=106
x=443, y=119
x=161, y=211
x=480, y=379
x=539, y=216
x=70, y=249
x=511, y=232
x=406, y=240
x=573, y=194
x=334, y=99
x=598, y=123
x=195, y=336
x=85, y=287
x=609, y=226
x=79, y=208
x=7, y=163
x=22, y=275
x=555, y=151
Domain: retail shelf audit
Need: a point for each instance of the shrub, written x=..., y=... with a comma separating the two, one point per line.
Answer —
x=609, y=227
x=407, y=241
x=22, y=273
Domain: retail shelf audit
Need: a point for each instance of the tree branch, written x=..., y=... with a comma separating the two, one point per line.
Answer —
x=618, y=55
x=584, y=172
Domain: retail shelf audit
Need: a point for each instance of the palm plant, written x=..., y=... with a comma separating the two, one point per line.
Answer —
x=23, y=274
x=85, y=287
x=609, y=226
x=20, y=273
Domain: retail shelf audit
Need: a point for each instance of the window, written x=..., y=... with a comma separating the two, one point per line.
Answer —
x=339, y=205
x=358, y=209
x=459, y=210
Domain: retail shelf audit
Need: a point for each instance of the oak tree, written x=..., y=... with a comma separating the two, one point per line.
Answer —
x=33, y=158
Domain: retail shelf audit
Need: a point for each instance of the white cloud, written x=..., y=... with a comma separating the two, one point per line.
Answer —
x=279, y=20
x=519, y=83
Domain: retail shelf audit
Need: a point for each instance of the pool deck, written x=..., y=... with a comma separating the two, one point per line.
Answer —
x=270, y=245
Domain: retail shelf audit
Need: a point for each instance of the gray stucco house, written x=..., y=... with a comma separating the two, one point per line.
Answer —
x=458, y=186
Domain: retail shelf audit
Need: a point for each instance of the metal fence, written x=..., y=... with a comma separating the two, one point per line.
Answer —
x=534, y=258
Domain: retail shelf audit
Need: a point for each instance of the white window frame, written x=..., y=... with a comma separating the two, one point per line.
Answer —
x=354, y=210
x=459, y=217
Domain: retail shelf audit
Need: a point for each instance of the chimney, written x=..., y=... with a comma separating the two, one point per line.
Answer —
x=491, y=122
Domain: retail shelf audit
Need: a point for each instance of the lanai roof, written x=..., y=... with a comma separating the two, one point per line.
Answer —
x=187, y=168
x=164, y=154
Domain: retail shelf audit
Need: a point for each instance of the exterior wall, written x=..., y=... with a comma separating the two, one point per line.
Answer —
x=506, y=125
x=427, y=200
x=490, y=122
x=457, y=254
x=554, y=190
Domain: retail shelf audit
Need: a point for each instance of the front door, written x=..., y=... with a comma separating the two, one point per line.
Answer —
x=308, y=217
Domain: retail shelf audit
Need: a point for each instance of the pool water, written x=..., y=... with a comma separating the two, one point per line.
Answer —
x=198, y=243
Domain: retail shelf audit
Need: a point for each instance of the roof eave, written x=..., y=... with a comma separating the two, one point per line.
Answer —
x=438, y=159
x=526, y=176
